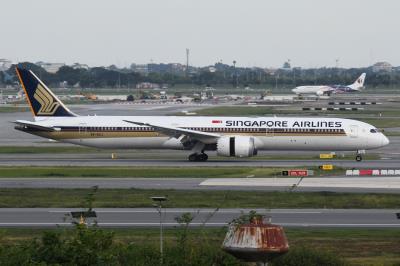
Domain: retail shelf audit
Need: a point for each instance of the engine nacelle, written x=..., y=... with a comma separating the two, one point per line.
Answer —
x=239, y=146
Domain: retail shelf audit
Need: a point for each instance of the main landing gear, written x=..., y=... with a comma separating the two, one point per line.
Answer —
x=198, y=157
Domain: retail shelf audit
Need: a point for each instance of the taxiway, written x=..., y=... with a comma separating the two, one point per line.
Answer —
x=147, y=217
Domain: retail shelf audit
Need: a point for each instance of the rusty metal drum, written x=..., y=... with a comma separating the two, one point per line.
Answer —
x=256, y=241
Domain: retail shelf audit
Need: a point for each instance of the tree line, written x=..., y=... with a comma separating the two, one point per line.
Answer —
x=221, y=75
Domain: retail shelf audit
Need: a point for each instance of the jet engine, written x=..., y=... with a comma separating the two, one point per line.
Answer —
x=239, y=146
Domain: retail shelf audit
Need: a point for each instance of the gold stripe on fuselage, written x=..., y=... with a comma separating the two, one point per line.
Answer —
x=153, y=134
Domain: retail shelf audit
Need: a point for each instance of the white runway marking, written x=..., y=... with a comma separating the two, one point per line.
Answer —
x=351, y=182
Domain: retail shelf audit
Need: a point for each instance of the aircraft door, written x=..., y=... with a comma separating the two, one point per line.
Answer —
x=354, y=131
x=269, y=132
x=82, y=131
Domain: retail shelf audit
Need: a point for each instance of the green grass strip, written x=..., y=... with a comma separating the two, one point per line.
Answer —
x=129, y=198
x=155, y=172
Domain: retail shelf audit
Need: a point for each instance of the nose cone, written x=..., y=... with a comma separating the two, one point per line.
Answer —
x=385, y=140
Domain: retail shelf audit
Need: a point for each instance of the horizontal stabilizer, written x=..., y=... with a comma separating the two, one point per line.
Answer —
x=31, y=125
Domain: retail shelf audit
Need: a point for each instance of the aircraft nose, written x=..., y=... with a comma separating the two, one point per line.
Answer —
x=385, y=140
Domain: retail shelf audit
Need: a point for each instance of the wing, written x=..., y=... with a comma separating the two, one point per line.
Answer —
x=326, y=90
x=28, y=124
x=181, y=133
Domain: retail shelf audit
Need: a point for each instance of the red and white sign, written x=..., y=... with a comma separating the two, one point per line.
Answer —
x=365, y=172
x=298, y=173
x=216, y=121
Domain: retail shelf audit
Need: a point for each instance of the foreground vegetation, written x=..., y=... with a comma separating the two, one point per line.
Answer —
x=191, y=246
x=129, y=198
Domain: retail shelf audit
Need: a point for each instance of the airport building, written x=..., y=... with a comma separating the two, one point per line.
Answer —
x=80, y=66
x=50, y=67
x=5, y=64
x=140, y=68
x=382, y=67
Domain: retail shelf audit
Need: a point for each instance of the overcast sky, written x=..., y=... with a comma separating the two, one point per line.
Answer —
x=312, y=33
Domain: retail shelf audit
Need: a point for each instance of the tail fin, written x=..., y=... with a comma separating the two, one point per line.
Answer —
x=359, y=83
x=41, y=100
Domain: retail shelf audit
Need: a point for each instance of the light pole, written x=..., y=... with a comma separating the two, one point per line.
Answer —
x=235, y=74
x=158, y=205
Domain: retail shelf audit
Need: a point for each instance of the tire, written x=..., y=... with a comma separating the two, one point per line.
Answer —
x=193, y=157
x=358, y=158
x=203, y=157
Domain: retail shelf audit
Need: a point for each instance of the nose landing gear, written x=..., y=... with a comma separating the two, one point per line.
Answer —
x=198, y=157
x=359, y=155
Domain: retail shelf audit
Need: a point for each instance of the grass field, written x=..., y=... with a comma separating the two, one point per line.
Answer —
x=45, y=149
x=379, y=246
x=132, y=154
x=382, y=122
x=13, y=109
x=157, y=172
x=236, y=111
x=154, y=172
x=129, y=198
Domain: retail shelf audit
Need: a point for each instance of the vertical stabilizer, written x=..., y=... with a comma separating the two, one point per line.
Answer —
x=41, y=100
x=359, y=83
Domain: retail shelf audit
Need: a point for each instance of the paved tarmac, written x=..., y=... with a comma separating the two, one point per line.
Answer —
x=331, y=184
x=149, y=217
x=85, y=160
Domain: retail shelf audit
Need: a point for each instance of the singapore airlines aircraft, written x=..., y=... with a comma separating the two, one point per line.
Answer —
x=229, y=136
x=321, y=90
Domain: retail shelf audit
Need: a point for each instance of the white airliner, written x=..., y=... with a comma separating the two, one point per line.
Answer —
x=321, y=90
x=229, y=136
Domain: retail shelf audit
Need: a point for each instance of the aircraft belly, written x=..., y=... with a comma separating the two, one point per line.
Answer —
x=306, y=143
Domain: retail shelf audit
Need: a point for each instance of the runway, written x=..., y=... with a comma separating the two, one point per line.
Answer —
x=104, y=160
x=149, y=217
x=331, y=184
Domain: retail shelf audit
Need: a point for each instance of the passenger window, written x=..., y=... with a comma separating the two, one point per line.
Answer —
x=373, y=130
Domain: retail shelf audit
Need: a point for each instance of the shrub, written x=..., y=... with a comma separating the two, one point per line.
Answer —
x=308, y=257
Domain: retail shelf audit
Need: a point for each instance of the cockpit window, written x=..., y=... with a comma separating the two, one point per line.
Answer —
x=374, y=130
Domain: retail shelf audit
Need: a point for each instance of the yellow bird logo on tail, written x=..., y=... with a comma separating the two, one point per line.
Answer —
x=48, y=104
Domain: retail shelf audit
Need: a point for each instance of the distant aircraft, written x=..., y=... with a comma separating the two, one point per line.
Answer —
x=321, y=90
x=228, y=136
x=11, y=98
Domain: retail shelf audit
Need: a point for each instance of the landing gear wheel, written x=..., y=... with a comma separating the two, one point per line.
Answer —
x=195, y=157
x=358, y=158
x=202, y=157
